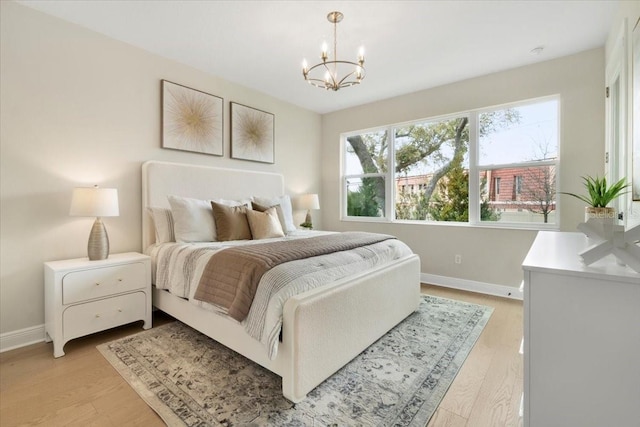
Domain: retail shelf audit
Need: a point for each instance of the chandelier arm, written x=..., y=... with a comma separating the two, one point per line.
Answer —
x=331, y=75
x=320, y=83
x=342, y=84
x=335, y=84
x=320, y=64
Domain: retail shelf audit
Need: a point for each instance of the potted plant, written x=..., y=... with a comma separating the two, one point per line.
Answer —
x=599, y=196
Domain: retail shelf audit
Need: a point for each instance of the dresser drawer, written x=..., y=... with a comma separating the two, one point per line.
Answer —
x=83, y=319
x=99, y=282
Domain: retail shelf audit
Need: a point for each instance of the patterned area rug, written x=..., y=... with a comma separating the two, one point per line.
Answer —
x=189, y=379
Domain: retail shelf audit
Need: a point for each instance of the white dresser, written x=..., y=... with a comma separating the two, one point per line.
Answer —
x=83, y=297
x=581, y=337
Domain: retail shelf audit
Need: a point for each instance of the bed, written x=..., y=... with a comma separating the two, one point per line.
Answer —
x=322, y=328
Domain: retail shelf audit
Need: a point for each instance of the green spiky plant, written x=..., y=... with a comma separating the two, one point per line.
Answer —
x=600, y=195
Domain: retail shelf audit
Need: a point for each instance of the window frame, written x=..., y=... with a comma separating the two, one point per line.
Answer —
x=384, y=175
x=474, y=168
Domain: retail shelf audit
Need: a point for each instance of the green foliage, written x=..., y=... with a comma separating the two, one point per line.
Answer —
x=427, y=140
x=364, y=201
x=451, y=202
x=599, y=194
x=412, y=206
x=487, y=213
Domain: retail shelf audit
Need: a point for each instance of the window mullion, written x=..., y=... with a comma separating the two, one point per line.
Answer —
x=474, y=174
x=391, y=176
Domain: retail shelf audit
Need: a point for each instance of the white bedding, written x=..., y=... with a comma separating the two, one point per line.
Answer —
x=177, y=267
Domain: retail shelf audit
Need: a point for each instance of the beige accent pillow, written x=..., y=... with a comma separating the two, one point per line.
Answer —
x=231, y=222
x=283, y=206
x=264, y=225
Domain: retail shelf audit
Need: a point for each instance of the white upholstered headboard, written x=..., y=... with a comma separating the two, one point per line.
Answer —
x=160, y=179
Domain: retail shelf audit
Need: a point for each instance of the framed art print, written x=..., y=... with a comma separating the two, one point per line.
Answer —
x=252, y=134
x=191, y=120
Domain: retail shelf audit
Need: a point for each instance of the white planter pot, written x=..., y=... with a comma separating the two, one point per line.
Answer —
x=602, y=219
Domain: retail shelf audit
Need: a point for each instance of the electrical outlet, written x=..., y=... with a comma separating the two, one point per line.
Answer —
x=458, y=259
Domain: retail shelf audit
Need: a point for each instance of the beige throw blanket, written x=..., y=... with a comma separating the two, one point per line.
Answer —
x=230, y=278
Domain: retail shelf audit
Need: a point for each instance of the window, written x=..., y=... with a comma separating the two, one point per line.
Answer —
x=365, y=166
x=517, y=185
x=519, y=146
x=424, y=171
x=431, y=155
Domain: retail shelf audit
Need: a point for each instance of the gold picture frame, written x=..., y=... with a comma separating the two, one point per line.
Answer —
x=252, y=134
x=192, y=120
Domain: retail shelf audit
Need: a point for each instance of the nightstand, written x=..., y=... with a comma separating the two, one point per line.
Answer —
x=83, y=297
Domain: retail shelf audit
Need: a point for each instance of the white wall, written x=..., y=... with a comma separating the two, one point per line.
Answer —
x=79, y=109
x=489, y=256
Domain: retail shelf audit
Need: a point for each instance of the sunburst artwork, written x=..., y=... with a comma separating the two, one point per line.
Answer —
x=252, y=134
x=191, y=120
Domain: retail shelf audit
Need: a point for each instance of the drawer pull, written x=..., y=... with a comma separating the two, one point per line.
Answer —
x=119, y=310
x=97, y=315
x=97, y=283
x=119, y=280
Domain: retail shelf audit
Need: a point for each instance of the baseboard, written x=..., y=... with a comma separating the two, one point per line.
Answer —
x=472, y=286
x=20, y=338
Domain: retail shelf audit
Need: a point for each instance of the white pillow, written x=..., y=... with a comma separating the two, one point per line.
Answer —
x=193, y=219
x=163, y=224
x=285, y=213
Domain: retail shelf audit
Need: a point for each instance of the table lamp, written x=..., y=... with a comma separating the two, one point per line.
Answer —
x=97, y=202
x=308, y=202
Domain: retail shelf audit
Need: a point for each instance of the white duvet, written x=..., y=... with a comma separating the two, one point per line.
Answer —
x=177, y=267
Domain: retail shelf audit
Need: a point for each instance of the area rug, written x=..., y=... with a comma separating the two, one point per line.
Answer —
x=189, y=379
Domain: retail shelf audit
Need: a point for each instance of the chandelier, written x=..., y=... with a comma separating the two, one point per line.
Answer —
x=337, y=74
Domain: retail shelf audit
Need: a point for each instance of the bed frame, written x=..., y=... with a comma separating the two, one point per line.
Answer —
x=323, y=329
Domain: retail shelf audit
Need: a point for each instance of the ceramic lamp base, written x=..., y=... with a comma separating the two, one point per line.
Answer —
x=307, y=220
x=98, y=246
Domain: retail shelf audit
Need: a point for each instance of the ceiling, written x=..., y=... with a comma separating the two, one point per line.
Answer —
x=410, y=45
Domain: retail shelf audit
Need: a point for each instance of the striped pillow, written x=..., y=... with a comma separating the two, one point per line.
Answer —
x=163, y=224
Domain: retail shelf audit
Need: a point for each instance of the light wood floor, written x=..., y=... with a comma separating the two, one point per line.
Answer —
x=487, y=390
x=82, y=389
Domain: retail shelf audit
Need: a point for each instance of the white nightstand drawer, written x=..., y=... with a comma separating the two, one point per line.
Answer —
x=99, y=282
x=84, y=319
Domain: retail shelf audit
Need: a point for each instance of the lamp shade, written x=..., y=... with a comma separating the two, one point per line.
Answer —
x=94, y=201
x=307, y=201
